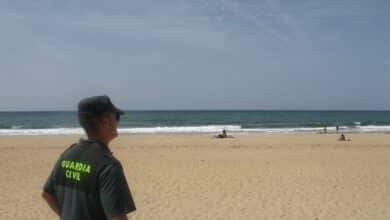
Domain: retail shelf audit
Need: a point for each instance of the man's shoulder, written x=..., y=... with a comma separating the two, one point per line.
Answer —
x=68, y=150
x=89, y=151
x=72, y=146
x=85, y=147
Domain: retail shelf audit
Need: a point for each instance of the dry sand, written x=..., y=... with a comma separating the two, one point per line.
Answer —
x=301, y=176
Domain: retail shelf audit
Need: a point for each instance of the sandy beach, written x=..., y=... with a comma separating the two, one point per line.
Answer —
x=281, y=176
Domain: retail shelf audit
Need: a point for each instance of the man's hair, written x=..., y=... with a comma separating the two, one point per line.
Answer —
x=90, y=124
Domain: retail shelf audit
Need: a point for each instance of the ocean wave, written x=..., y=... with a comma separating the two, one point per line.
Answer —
x=16, y=126
x=46, y=131
x=207, y=129
x=182, y=129
x=372, y=128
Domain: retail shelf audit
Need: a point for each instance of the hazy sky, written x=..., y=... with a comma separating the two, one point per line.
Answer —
x=196, y=54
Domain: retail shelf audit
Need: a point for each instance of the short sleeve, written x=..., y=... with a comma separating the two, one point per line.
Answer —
x=115, y=195
x=49, y=184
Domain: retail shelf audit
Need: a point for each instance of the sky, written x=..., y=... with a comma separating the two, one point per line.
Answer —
x=196, y=54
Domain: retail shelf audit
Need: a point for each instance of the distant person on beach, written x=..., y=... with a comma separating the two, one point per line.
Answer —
x=337, y=129
x=324, y=130
x=223, y=135
x=88, y=182
x=343, y=138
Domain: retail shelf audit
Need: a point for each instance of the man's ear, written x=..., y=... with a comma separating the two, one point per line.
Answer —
x=109, y=124
x=103, y=121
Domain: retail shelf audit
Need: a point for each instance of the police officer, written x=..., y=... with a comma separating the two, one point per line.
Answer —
x=87, y=182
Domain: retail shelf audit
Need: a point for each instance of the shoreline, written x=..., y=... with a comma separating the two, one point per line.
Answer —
x=238, y=133
x=194, y=140
x=277, y=176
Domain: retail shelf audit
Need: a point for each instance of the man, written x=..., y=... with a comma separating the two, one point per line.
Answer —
x=87, y=181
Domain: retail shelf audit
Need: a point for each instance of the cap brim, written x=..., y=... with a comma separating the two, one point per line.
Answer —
x=119, y=111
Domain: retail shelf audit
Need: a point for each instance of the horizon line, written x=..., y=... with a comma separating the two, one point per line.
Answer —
x=188, y=110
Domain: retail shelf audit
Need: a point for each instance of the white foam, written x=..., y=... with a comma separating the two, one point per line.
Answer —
x=48, y=131
x=152, y=130
x=181, y=129
x=16, y=126
x=281, y=130
x=372, y=128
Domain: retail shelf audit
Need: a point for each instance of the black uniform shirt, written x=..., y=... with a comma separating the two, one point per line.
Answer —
x=89, y=184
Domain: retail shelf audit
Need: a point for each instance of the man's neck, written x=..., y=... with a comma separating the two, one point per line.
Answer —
x=104, y=141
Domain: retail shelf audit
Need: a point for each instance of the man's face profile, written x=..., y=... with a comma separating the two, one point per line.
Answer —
x=108, y=124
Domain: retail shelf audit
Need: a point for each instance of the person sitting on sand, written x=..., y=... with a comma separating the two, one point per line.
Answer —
x=223, y=135
x=342, y=138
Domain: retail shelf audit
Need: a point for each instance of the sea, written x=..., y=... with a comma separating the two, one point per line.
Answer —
x=202, y=122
